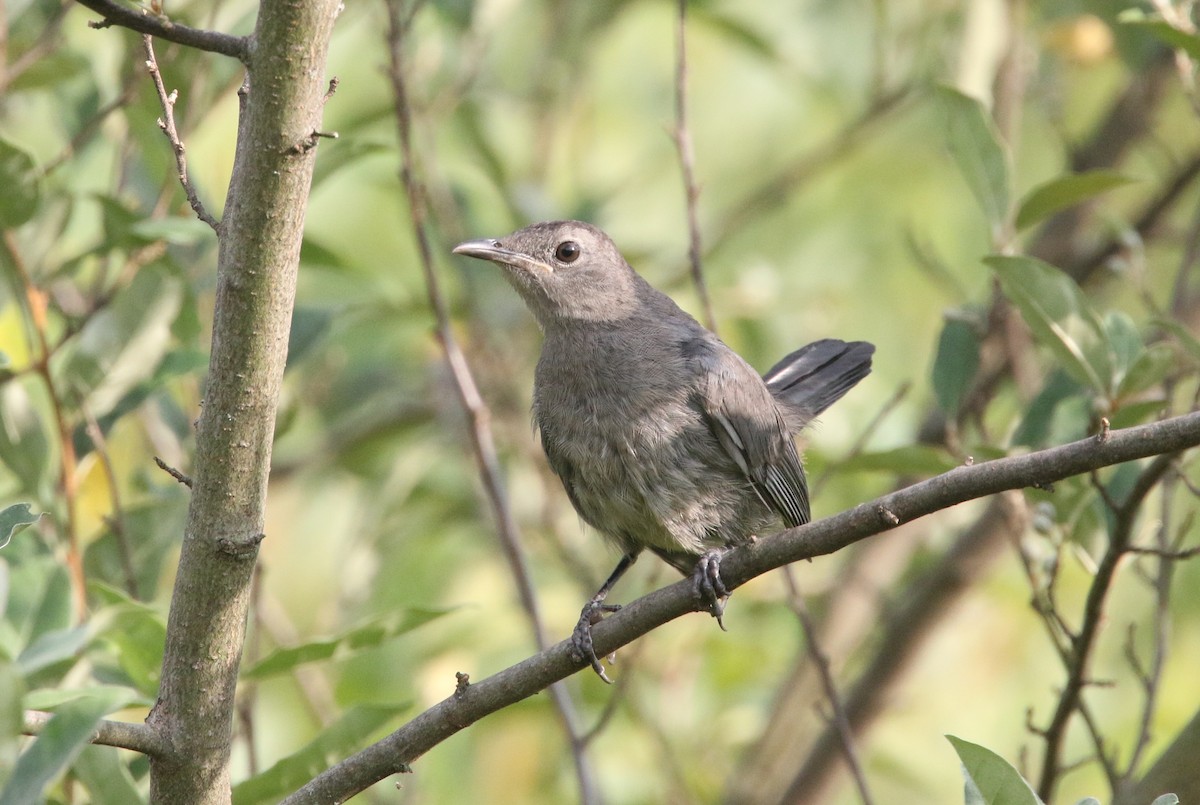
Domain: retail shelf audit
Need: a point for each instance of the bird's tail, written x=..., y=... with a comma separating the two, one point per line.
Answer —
x=816, y=376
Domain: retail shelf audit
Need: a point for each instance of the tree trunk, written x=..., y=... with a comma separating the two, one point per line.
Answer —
x=256, y=278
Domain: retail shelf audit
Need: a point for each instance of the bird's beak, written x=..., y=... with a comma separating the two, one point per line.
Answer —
x=491, y=250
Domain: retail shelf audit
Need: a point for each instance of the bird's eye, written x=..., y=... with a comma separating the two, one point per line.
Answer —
x=567, y=252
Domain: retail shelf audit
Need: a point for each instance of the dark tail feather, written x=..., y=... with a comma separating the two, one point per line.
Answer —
x=814, y=377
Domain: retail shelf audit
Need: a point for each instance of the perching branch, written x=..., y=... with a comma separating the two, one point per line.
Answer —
x=396, y=752
x=239, y=47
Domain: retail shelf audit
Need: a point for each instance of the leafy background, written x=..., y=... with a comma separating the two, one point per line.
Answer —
x=842, y=194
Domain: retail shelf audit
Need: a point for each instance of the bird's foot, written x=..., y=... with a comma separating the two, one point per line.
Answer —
x=707, y=584
x=581, y=639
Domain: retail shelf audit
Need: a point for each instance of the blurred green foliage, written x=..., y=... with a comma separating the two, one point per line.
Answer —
x=846, y=191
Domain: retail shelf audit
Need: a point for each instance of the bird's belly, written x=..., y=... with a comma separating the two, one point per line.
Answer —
x=661, y=482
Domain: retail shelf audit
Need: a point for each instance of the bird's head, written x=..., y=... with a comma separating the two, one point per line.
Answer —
x=565, y=270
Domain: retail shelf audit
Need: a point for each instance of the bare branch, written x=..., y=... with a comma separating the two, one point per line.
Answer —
x=818, y=538
x=839, y=719
x=167, y=124
x=116, y=518
x=1069, y=701
x=687, y=164
x=113, y=13
x=476, y=410
x=805, y=167
x=121, y=734
x=34, y=308
x=174, y=473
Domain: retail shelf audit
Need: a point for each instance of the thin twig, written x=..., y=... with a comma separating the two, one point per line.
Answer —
x=687, y=164
x=90, y=127
x=821, y=661
x=113, y=13
x=247, y=694
x=47, y=40
x=115, y=520
x=1167, y=553
x=174, y=473
x=316, y=692
x=121, y=734
x=167, y=124
x=804, y=168
x=333, y=85
x=35, y=309
x=471, y=401
x=618, y=695
x=1102, y=582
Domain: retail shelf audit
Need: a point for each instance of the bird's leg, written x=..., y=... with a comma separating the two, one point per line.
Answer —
x=706, y=582
x=593, y=611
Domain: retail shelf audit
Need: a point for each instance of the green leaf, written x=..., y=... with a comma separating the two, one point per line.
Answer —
x=51, y=648
x=50, y=70
x=1063, y=192
x=334, y=743
x=176, y=229
x=1166, y=799
x=1088, y=801
x=1150, y=368
x=53, y=750
x=1138, y=413
x=22, y=188
x=119, y=219
x=917, y=459
x=982, y=156
x=1124, y=342
x=734, y=31
x=313, y=254
x=53, y=698
x=12, y=688
x=956, y=363
x=309, y=326
x=1189, y=43
x=14, y=518
x=1060, y=317
x=49, y=605
x=345, y=644
x=1189, y=342
x=122, y=344
x=345, y=151
x=106, y=777
x=137, y=635
x=25, y=446
x=989, y=779
x=1041, y=423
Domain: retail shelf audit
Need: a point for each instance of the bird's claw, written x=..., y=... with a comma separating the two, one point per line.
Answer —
x=707, y=584
x=581, y=638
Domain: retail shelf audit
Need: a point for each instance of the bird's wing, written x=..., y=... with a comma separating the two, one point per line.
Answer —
x=566, y=471
x=749, y=426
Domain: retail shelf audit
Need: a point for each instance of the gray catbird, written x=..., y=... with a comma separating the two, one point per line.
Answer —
x=663, y=436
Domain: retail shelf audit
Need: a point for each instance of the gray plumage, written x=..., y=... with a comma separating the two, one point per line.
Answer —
x=663, y=436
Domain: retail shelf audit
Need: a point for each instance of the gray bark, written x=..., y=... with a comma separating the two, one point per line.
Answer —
x=256, y=278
